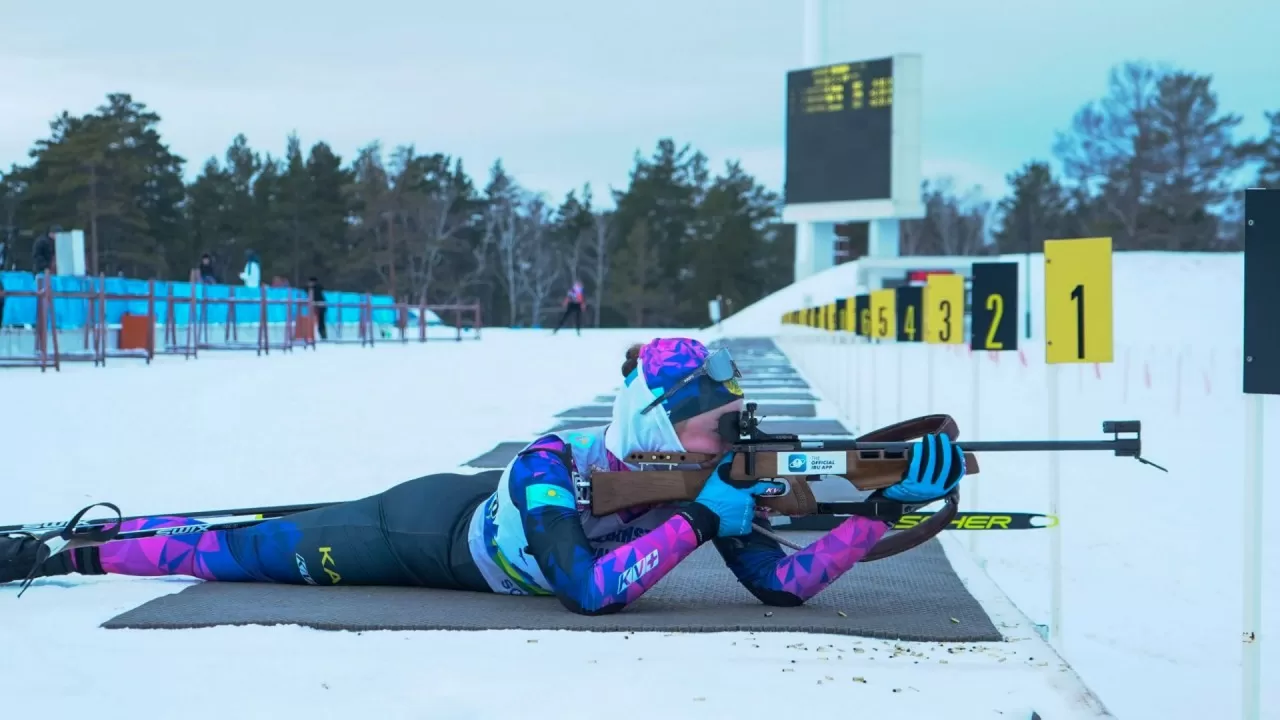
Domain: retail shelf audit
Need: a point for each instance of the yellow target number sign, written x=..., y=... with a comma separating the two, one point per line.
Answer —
x=944, y=309
x=1077, y=301
x=884, y=323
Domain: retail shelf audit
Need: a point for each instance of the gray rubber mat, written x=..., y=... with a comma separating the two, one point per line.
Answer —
x=499, y=457
x=605, y=412
x=817, y=426
x=752, y=387
x=756, y=395
x=783, y=396
x=770, y=369
x=574, y=425
x=912, y=596
x=789, y=410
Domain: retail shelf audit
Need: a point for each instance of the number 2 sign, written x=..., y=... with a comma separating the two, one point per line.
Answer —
x=994, y=304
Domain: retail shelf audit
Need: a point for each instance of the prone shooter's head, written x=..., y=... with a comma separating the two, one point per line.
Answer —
x=675, y=393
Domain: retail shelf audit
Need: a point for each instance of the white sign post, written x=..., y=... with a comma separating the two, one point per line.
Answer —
x=1261, y=378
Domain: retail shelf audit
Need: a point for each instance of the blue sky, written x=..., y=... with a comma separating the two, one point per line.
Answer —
x=566, y=91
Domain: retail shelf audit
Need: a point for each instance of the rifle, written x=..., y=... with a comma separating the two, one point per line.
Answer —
x=869, y=462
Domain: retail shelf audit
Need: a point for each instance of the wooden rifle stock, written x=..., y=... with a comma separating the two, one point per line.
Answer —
x=612, y=492
x=865, y=469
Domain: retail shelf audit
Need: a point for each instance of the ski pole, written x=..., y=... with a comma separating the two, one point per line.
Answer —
x=263, y=512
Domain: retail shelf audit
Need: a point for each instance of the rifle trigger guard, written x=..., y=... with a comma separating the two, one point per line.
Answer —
x=581, y=490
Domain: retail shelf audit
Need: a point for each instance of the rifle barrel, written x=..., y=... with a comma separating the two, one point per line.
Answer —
x=983, y=445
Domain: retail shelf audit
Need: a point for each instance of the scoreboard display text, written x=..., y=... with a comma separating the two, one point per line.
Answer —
x=839, y=132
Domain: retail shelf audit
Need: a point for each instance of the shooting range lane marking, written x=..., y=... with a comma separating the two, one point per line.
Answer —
x=779, y=410
x=499, y=457
x=825, y=418
x=782, y=396
x=578, y=424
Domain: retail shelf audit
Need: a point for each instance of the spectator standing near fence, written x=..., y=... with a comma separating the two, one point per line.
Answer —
x=316, y=291
x=252, y=272
x=208, y=275
x=43, y=251
x=574, y=302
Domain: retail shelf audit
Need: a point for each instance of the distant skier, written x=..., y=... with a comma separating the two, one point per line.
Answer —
x=574, y=302
x=523, y=533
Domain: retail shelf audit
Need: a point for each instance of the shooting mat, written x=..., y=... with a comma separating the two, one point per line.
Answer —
x=912, y=596
x=604, y=412
x=782, y=396
x=574, y=425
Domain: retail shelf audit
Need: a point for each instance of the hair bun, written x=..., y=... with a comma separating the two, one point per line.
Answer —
x=633, y=359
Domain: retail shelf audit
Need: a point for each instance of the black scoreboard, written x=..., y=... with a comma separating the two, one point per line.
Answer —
x=839, y=132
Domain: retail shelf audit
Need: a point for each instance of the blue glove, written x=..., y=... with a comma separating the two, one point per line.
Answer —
x=936, y=468
x=732, y=505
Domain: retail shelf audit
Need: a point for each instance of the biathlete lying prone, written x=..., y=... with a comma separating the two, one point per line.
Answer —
x=525, y=535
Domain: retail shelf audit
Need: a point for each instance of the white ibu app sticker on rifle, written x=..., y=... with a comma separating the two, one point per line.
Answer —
x=817, y=463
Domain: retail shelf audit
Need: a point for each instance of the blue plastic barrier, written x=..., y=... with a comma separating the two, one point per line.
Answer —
x=18, y=310
x=73, y=313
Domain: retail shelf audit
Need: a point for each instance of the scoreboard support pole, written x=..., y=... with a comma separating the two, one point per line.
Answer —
x=815, y=241
x=816, y=238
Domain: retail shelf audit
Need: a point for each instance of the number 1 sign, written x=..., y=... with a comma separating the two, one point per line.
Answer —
x=1077, y=301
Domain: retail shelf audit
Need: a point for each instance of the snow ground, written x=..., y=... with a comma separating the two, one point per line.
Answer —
x=1152, y=561
x=232, y=429
x=1152, y=565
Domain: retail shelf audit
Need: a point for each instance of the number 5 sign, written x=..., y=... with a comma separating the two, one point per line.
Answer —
x=1077, y=301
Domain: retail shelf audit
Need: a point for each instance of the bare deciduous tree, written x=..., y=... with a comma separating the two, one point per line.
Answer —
x=952, y=225
x=598, y=251
x=541, y=267
x=436, y=218
x=502, y=233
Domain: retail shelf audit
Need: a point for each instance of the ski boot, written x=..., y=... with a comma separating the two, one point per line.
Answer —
x=26, y=556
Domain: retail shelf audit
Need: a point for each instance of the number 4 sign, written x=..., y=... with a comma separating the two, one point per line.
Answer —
x=1077, y=301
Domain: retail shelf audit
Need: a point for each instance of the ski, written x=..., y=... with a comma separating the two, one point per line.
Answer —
x=832, y=514
x=244, y=517
x=261, y=513
x=985, y=521
x=227, y=523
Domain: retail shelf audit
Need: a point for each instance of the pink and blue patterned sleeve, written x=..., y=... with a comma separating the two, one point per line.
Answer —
x=541, y=487
x=776, y=578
